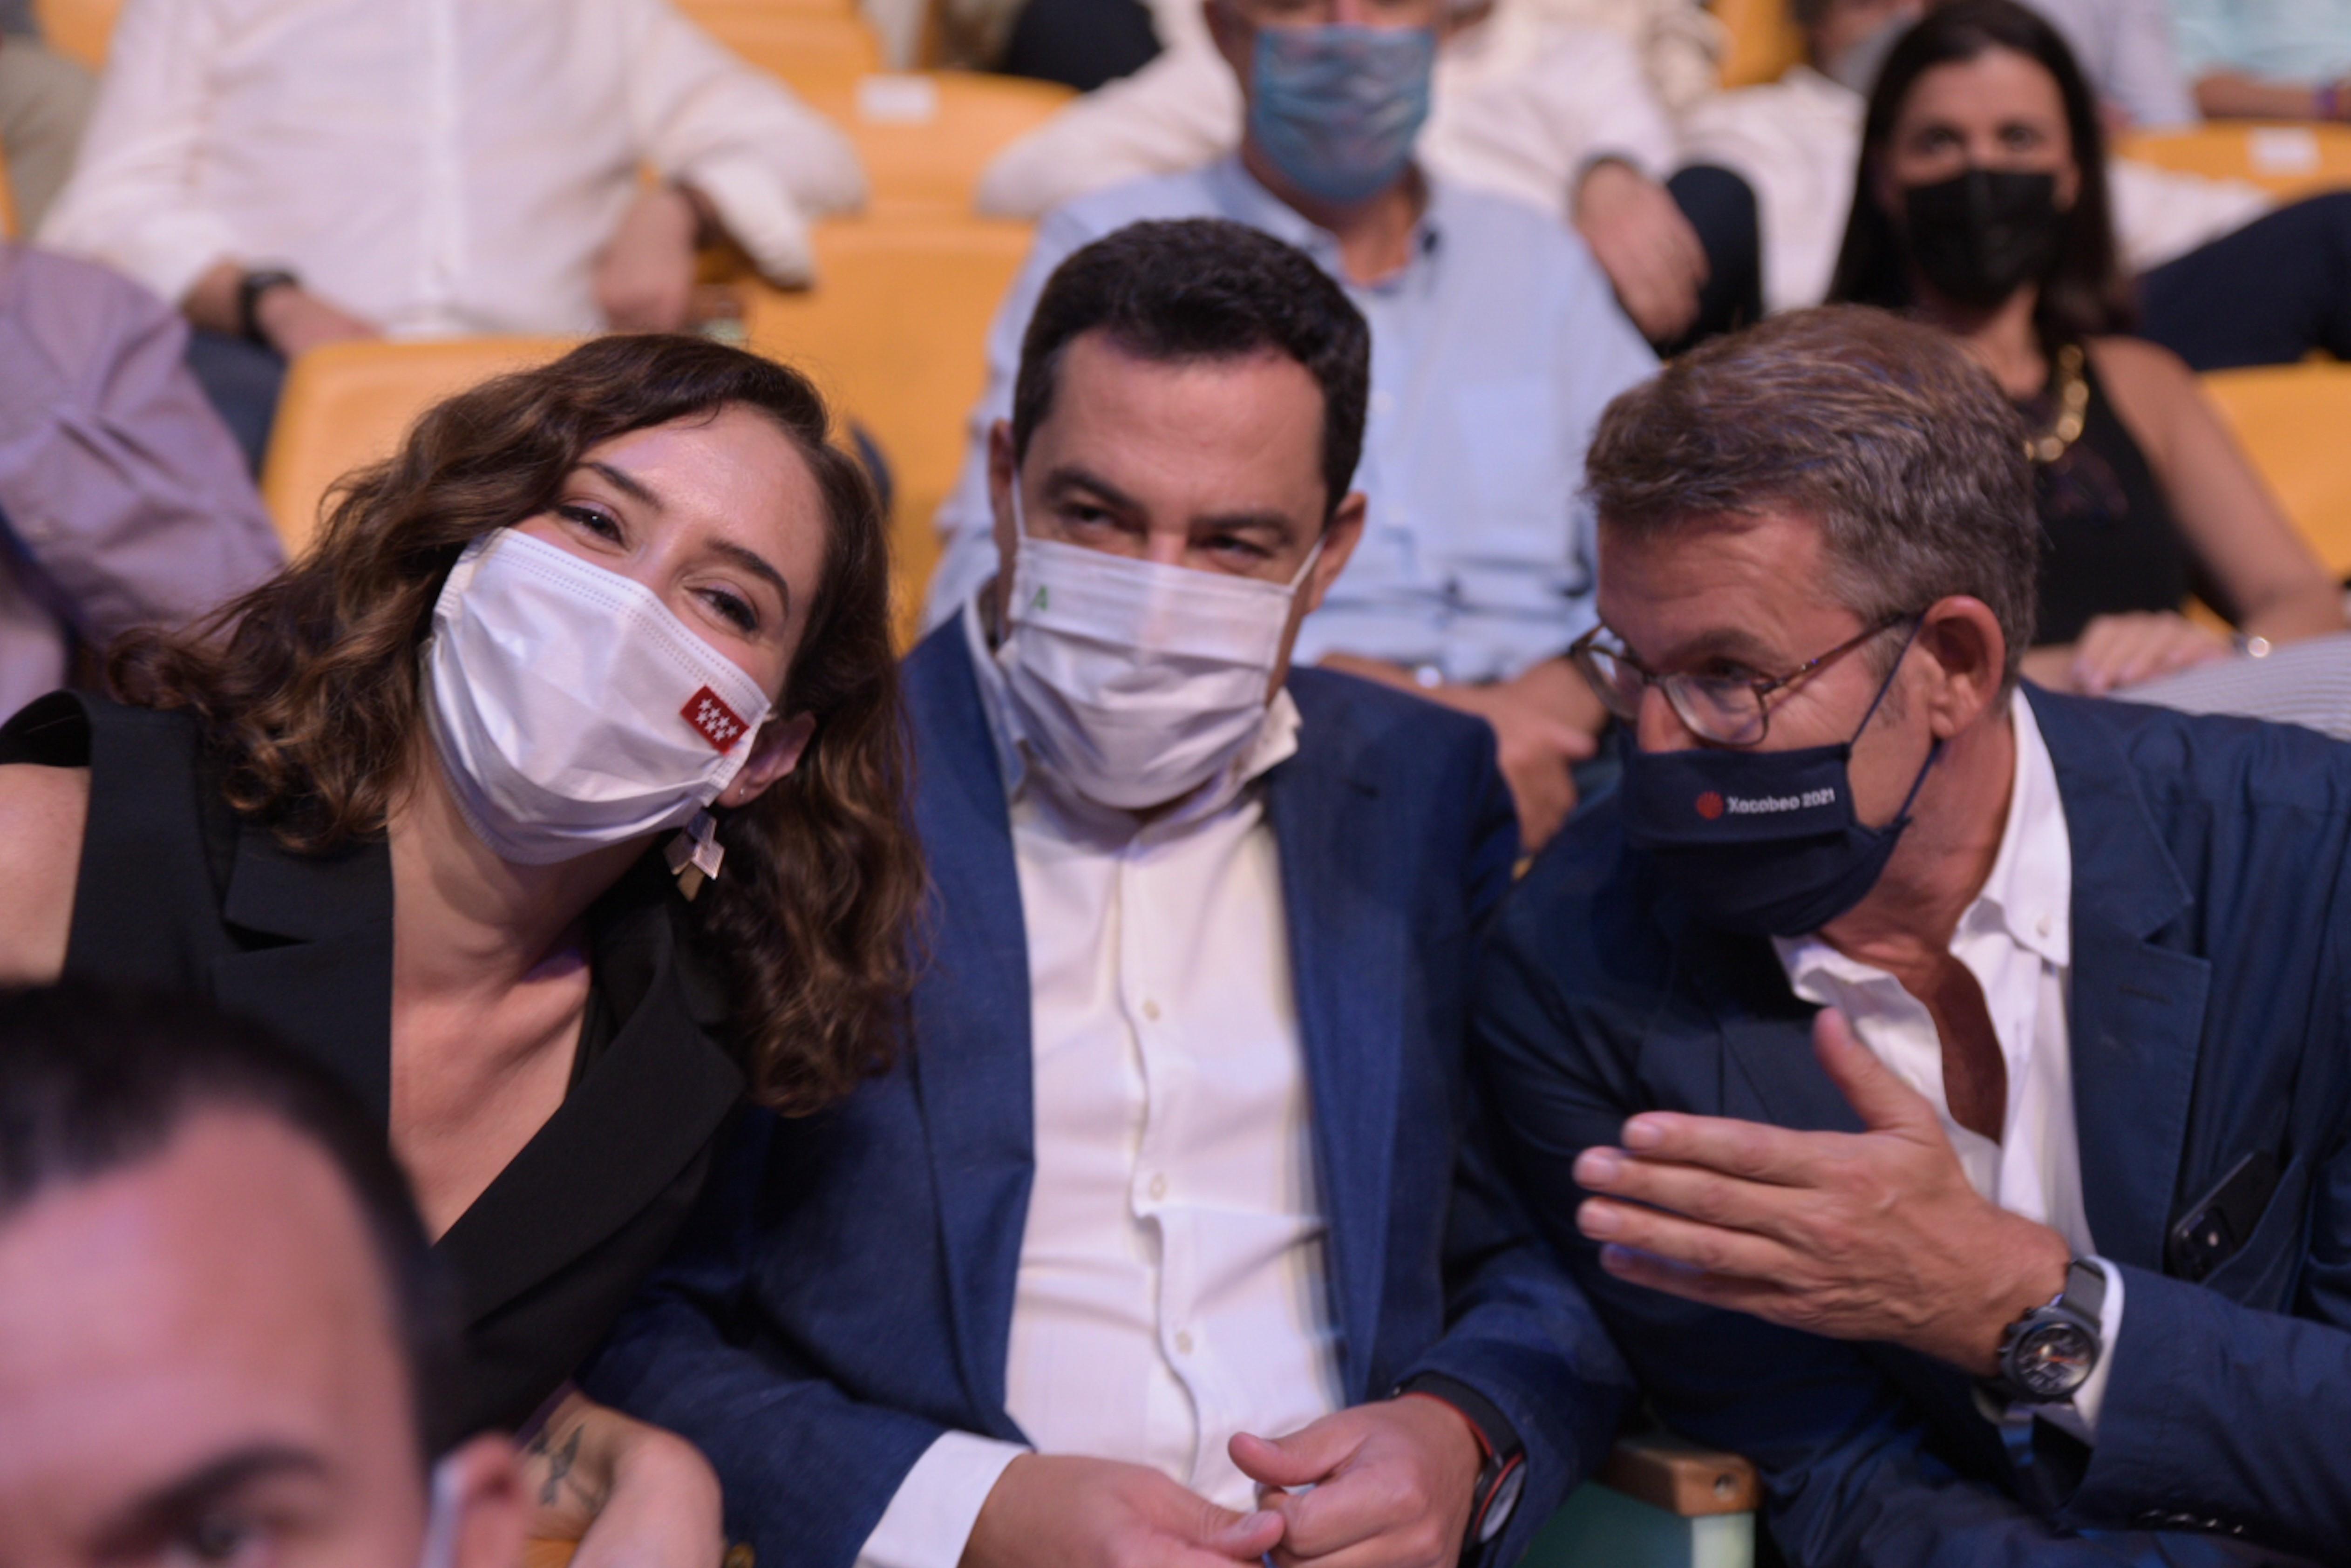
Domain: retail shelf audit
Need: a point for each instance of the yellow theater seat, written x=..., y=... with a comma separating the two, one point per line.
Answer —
x=79, y=27
x=2288, y=161
x=926, y=137
x=347, y=404
x=895, y=334
x=2292, y=421
x=815, y=50
x=1760, y=40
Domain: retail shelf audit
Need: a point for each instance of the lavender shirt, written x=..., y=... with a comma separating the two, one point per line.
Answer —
x=123, y=500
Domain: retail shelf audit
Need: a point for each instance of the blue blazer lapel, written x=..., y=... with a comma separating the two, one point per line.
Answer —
x=970, y=1066
x=1350, y=954
x=2138, y=1011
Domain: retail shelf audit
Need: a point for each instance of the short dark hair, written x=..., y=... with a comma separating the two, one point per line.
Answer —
x=2085, y=293
x=94, y=1082
x=1204, y=289
x=1903, y=450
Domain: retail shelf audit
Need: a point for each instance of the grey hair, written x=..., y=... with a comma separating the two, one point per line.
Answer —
x=1882, y=430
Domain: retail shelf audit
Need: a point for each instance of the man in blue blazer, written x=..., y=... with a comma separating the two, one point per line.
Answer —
x=1173, y=1241
x=1939, y=1085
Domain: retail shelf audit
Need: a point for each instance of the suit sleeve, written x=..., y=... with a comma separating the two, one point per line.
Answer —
x=117, y=478
x=806, y=1471
x=1518, y=1331
x=2218, y=1413
x=1855, y=1476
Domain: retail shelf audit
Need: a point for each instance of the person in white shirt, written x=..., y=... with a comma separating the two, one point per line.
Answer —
x=1178, y=1243
x=1939, y=1084
x=1557, y=113
x=295, y=173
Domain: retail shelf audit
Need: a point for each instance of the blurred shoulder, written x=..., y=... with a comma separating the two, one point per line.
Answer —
x=2137, y=363
x=1186, y=194
x=2210, y=766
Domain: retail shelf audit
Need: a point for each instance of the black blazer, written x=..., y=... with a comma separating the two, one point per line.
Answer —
x=176, y=892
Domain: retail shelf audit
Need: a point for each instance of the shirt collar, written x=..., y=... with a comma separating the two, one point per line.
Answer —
x=2028, y=895
x=2030, y=890
x=1275, y=741
x=1240, y=196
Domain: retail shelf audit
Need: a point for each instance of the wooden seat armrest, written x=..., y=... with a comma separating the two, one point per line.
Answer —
x=1682, y=1478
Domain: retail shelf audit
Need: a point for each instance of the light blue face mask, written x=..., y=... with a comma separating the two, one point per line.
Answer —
x=1335, y=107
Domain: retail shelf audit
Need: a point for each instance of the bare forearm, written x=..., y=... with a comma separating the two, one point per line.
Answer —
x=2230, y=95
x=211, y=302
x=2311, y=609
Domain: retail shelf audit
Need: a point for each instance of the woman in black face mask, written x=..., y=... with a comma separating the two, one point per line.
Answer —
x=1981, y=206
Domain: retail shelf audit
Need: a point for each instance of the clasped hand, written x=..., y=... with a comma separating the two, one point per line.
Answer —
x=1873, y=1235
x=1391, y=1488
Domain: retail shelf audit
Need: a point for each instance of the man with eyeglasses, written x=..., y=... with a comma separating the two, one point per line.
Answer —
x=1940, y=1085
x=1496, y=342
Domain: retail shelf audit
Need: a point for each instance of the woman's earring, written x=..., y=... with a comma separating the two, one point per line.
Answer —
x=696, y=854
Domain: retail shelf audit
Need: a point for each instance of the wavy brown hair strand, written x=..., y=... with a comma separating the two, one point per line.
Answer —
x=307, y=688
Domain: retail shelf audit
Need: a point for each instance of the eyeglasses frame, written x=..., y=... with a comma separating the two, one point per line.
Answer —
x=1579, y=653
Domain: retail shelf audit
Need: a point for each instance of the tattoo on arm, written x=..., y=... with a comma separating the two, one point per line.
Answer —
x=558, y=1463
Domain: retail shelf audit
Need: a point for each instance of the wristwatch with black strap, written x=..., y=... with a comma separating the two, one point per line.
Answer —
x=1502, y=1476
x=250, y=287
x=2048, y=1354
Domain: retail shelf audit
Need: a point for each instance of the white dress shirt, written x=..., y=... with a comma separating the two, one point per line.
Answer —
x=434, y=166
x=2016, y=939
x=1171, y=1288
x=1520, y=106
x=1797, y=142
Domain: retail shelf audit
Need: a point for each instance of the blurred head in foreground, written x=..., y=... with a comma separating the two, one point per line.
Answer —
x=221, y=1339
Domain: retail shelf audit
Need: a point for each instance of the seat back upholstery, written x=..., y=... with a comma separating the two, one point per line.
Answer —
x=348, y=404
x=79, y=29
x=2294, y=422
x=895, y=334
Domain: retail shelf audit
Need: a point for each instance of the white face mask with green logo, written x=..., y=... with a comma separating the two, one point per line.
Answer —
x=1134, y=683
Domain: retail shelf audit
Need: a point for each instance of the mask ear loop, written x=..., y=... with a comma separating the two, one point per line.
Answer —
x=1306, y=567
x=1885, y=687
x=1933, y=750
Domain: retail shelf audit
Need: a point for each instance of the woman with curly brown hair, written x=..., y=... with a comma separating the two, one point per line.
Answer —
x=554, y=801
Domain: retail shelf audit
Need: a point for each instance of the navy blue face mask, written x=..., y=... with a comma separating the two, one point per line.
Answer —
x=1765, y=843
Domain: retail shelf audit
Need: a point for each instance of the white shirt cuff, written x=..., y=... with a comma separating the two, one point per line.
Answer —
x=929, y=1520
x=757, y=212
x=2079, y=1416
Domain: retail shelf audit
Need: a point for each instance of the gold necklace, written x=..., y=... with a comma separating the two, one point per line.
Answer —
x=2072, y=409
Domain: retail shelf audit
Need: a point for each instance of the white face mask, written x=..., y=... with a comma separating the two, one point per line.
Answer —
x=1137, y=682
x=570, y=707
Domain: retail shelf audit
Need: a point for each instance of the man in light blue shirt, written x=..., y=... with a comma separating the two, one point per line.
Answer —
x=2268, y=59
x=1496, y=343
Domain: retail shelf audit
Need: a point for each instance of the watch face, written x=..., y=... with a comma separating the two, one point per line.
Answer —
x=2050, y=1360
x=1505, y=1503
